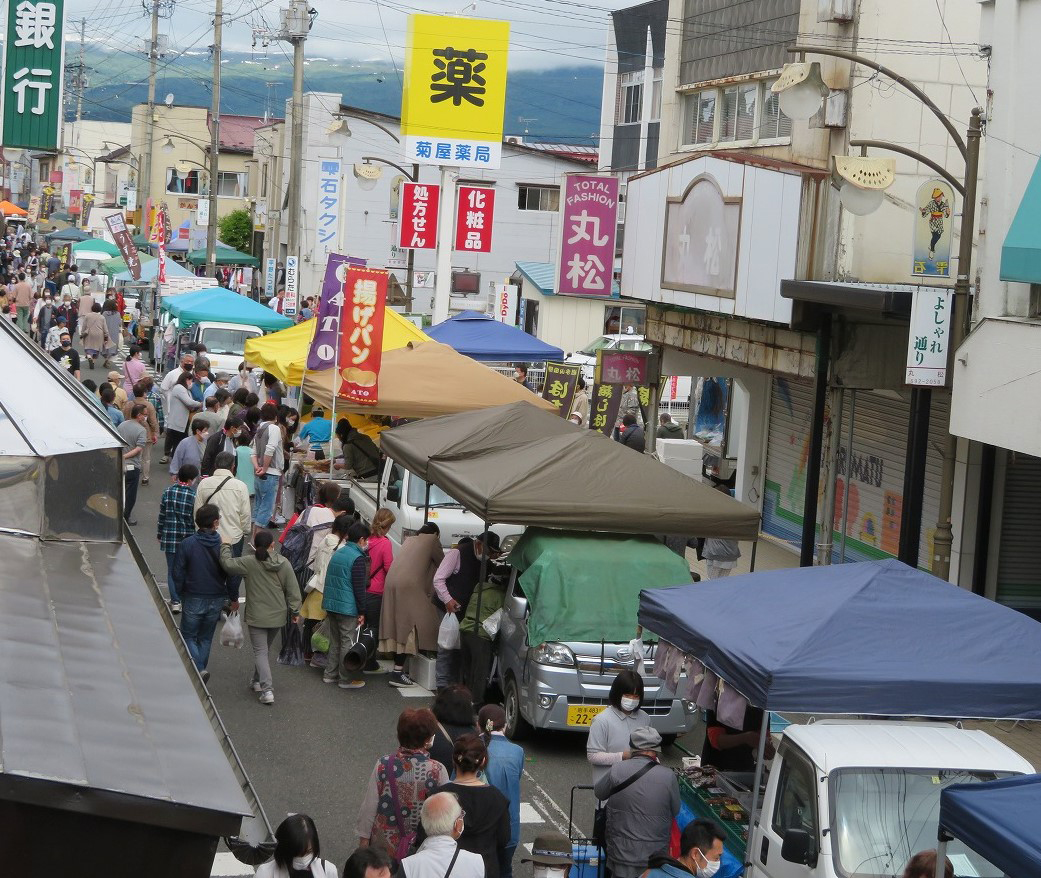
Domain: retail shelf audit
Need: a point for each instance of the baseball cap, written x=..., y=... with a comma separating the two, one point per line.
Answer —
x=550, y=849
x=645, y=738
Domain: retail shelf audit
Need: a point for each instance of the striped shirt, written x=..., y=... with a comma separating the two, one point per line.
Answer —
x=176, y=516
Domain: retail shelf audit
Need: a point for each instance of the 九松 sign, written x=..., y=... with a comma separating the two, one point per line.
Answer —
x=361, y=340
x=473, y=219
x=588, y=220
x=417, y=219
x=34, y=66
x=454, y=90
x=928, y=337
x=329, y=206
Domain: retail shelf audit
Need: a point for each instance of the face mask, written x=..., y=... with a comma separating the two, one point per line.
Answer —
x=303, y=862
x=709, y=869
x=629, y=703
x=204, y=435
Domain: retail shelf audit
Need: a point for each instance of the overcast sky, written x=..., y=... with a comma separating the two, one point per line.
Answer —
x=544, y=33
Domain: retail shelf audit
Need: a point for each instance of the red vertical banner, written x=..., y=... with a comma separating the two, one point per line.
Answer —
x=158, y=236
x=473, y=219
x=361, y=341
x=417, y=216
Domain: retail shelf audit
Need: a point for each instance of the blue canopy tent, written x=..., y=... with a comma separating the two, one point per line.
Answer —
x=485, y=339
x=219, y=304
x=877, y=637
x=998, y=819
x=149, y=270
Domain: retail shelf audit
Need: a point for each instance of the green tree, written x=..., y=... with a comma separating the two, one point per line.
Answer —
x=236, y=230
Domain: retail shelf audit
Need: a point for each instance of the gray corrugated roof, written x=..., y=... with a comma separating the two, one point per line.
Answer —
x=97, y=713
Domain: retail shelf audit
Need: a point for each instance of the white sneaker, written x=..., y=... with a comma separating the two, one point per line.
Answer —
x=255, y=686
x=267, y=697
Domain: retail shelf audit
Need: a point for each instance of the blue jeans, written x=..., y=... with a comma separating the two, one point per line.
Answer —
x=199, y=617
x=171, y=584
x=264, y=507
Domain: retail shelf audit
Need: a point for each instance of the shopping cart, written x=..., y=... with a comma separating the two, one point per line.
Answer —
x=588, y=856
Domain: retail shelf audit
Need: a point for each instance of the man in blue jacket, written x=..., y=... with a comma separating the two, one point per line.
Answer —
x=205, y=588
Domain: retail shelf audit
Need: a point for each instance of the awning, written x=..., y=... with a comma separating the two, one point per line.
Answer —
x=426, y=380
x=1021, y=252
x=518, y=464
x=876, y=637
x=95, y=245
x=483, y=338
x=150, y=270
x=223, y=306
x=998, y=820
x=284, y=353
x=224, y=256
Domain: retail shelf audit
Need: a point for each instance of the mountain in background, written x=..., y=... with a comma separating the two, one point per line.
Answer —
x=551, y=105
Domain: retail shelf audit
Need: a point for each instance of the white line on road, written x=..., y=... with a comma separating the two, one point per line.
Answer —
x=529, y=814
x=546, y=806
x=226, y=866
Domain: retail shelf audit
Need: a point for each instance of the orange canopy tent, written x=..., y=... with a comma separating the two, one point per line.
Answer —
x=9, y=208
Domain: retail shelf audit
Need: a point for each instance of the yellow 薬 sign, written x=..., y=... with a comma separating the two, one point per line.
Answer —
x=454, y=95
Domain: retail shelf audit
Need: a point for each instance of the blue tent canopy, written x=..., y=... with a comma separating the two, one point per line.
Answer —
x=999, y=820
x=483, y=338
x=876, y=637
x=219, y=304
x=149, y=270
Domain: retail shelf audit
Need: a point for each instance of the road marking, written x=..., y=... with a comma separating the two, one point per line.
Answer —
x=549, y=809
x=529, y=814
x=226, y=866
x=416, y=691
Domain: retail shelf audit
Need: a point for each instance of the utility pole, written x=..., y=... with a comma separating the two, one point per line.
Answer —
x=144, y=183
x=211, y=226
x=81, y=74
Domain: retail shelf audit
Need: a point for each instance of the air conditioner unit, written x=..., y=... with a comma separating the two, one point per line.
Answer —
x=836, y=10
x=515, y=140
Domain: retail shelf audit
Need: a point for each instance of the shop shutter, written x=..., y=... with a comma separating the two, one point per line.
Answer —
x=791, y=408
x=1019, y=559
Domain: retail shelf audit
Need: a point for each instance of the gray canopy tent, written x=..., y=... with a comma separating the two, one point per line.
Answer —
x=112, y=757
x=517, y=464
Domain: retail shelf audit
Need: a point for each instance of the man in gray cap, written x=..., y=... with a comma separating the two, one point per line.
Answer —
x=642, y=798
x=550, y=856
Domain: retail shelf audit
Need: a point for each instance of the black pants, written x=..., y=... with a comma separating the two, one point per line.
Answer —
x=477, y=664
x=172, y=438
x=373, y=608
x=131, y=479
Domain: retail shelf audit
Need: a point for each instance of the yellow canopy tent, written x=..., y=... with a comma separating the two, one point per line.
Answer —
x=284, y=353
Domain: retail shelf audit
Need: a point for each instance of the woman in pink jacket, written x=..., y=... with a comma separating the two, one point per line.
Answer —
x=381, y=554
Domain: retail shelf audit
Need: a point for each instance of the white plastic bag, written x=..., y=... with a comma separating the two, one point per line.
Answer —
x=231, y=633
x=448, y=633
x=492, y=623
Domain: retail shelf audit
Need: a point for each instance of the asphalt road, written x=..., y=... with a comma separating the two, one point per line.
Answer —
x=314, y=749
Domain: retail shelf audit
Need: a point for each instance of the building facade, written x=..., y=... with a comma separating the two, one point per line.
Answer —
x=753, y=271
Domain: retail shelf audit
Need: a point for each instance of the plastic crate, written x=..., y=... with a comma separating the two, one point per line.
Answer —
x=587, y=861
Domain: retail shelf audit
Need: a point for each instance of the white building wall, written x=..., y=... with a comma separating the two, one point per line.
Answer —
x=517, y=235
x=89, y=138
x=567, y=322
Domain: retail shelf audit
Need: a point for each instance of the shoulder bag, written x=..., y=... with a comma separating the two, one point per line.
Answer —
x=600, y=817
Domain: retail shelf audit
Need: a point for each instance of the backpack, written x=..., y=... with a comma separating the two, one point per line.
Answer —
x=296, y=547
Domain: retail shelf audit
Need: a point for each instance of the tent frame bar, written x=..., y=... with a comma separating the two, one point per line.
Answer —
x=753, y=810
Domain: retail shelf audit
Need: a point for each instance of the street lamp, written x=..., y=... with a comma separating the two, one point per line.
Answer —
x=862, y=181
x=212, y=172
x=799, y=81
x=800, y=89
x=368, y=175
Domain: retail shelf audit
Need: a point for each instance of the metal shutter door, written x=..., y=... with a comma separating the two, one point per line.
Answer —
x=791, y=408
x=1019, y=559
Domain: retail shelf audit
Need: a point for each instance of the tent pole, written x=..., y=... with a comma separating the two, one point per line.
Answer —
x=941, y=854
x=751, y=563
x=336, y=388
x=753, y=810
x=426, y=507
x=480, y=584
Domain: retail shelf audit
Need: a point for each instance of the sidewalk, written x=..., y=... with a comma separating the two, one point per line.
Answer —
x=769, y=555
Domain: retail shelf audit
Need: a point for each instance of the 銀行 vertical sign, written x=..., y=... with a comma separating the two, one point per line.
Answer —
x=417, y=220
x=454, y=91
x=928, y=337
x=361, y=342
x=34, y=66
x=329, y=195
x=473, y=219
x=588, y=221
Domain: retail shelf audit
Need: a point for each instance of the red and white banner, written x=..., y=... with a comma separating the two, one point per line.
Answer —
x=473, y=219
x=417, y=217
x=361, y=344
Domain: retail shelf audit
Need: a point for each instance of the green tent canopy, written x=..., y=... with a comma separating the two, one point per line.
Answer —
x=222, y=306
x=95, y=245
x=225, y=256
x=112, y=267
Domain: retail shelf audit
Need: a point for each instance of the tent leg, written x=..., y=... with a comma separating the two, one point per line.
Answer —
x=751, y=562
x=753, y=810
x=941, y=855
x=426, y=508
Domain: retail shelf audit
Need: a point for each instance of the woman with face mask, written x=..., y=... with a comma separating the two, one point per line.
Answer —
x=297, y=852
x=609, y=732
x=399, y=784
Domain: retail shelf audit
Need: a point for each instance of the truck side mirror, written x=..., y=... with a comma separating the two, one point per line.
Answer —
x=394, y=493
x=517, y=607
x=796, y=847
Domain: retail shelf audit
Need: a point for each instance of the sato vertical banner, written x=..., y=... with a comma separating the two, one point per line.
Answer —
x=560, y=386
x=454, y=91
x=473, y=219
x=604, y=405
x=34, y=68
x=417, y=219
x=117, y=226
x=322, y=353
x=361, y=339
x=588, y=222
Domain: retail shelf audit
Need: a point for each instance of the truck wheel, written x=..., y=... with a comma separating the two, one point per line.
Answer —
x=517, y=728
x=668, y=740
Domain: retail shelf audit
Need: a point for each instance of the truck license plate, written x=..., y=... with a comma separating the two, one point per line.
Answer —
x=582, y=714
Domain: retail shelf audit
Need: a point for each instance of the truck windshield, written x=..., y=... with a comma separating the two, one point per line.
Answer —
x=884, y=816
x=417, y=495
x=226, y=341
